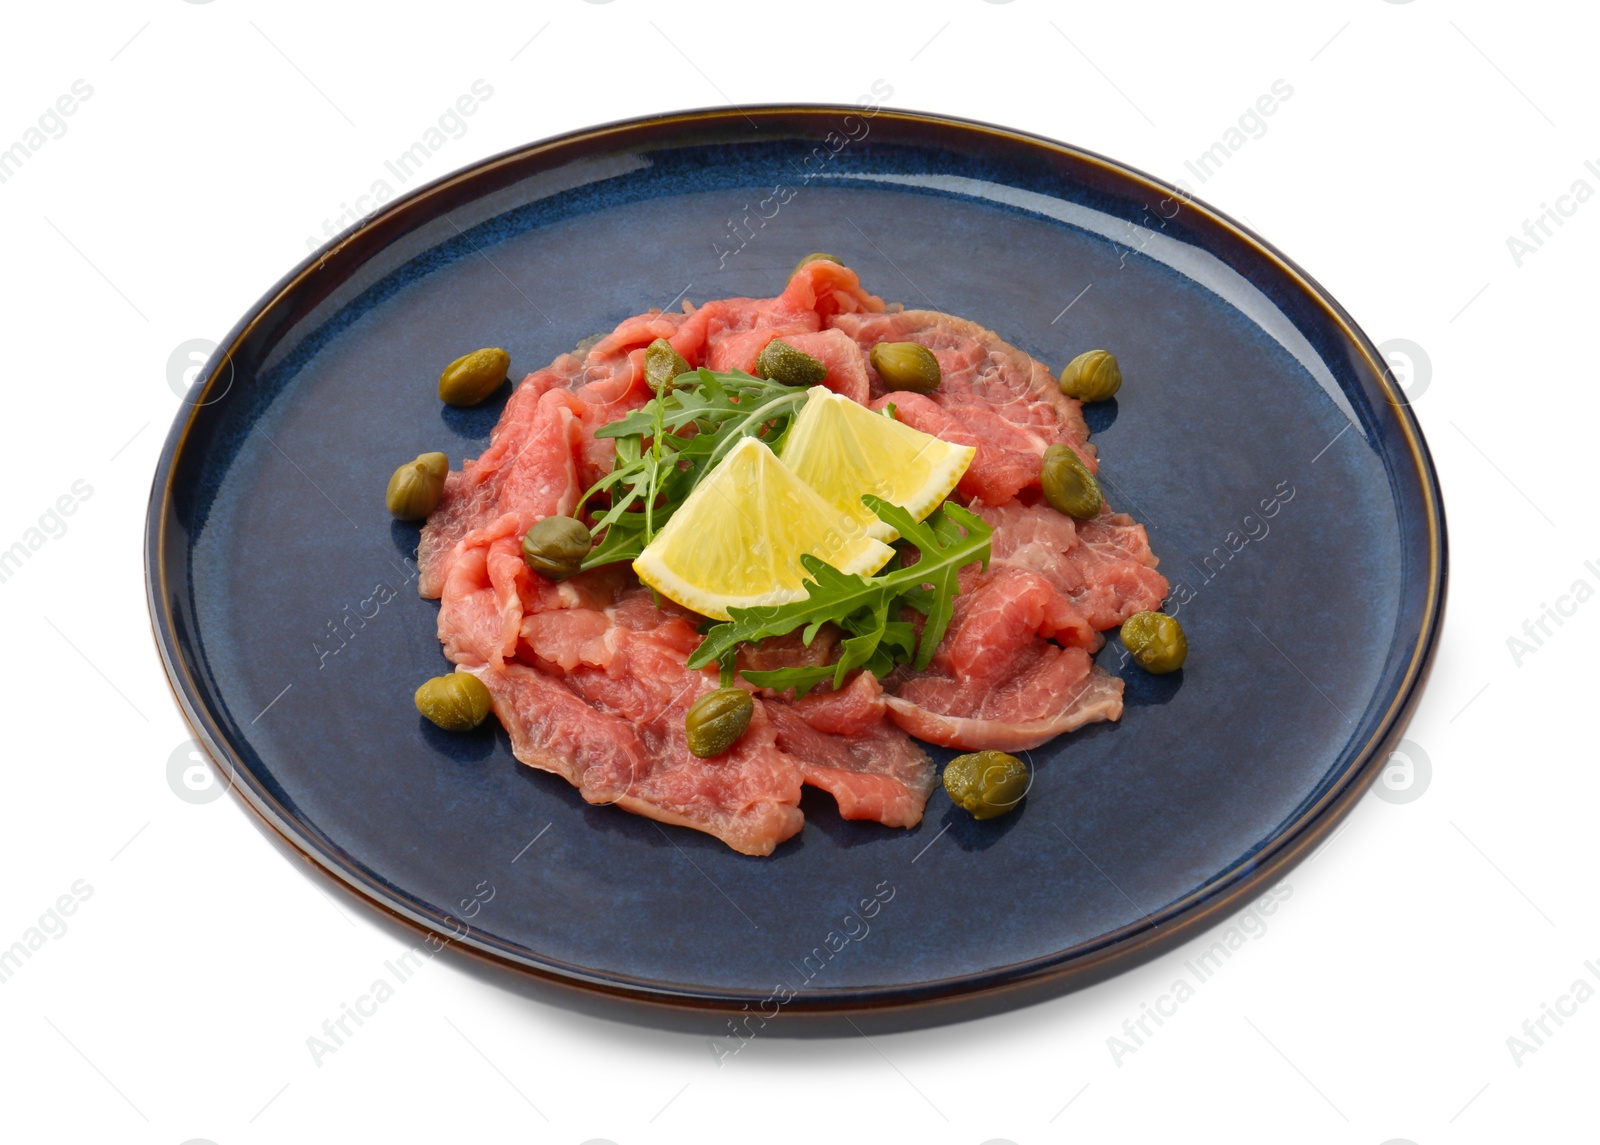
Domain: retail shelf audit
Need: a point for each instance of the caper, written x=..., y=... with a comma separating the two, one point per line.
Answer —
x=986, y=783
x=1155, y=641
x=1092, y=376
x=661, y=364
x=906, y=366
x=472, y=377
x=556, y=546
x=813, y=257
x=1068, y=485
x=782, y=363
x=457, y=702
x=717, y=719
x=416, y=487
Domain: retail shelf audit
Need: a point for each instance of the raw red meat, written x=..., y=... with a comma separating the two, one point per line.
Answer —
x=991, y=395
x=1046, y=690
x=589, y=676
x=996, y=680
x=749, y=798
x=847, y=748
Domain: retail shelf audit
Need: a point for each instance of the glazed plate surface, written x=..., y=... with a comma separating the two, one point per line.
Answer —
x=1285, y=486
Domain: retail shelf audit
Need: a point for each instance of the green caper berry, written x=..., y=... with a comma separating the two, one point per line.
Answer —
x=1155, y=641
x=813, y=257
x=1092, y=376
x=986, y=783
x=906, y=366
x=416, y=487
x=555, y=548
x=456, y=702
x=782, y=363
x=661, y=364
x=435, y=463
x=472, y=377
x=717, y=719
x=1068, y=485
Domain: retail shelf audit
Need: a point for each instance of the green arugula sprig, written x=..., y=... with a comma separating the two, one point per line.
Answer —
x=866, y=608
x=658, y=462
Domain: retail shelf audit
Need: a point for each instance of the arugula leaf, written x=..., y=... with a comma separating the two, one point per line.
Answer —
x=665, y=447
x=802, y=678
x=858, y=649
x=939, y=534
x=947, y=541
x=624, y=540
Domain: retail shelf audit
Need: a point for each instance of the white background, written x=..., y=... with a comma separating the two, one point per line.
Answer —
x=1377, y=1005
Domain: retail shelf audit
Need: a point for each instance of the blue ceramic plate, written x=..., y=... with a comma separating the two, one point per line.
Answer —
x=1287, y=491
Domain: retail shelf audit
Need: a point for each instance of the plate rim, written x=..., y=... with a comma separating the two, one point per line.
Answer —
x=1017, y=983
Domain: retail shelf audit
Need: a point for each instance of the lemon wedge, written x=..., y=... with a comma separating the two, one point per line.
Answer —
x=737, y=539
x=843, y=450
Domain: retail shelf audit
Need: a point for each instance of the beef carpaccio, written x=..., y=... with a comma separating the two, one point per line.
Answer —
x=589, y=676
